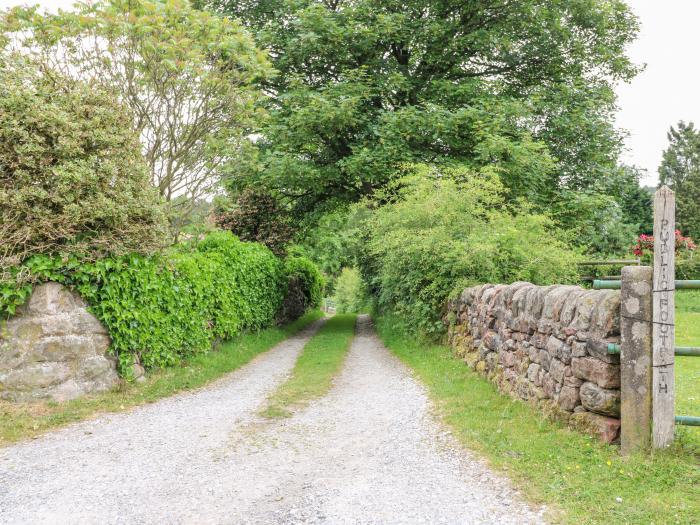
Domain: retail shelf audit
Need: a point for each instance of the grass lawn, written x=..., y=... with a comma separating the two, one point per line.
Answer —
x=580, y=480
x=688, y=368
x=319, y=362
x=19, y=421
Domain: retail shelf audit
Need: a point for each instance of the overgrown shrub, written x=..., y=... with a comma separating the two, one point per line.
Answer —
x=304, y=288
x=349, y=294
x=449, y=229
x=162, y=308
x=72, y=178
x=258, y=217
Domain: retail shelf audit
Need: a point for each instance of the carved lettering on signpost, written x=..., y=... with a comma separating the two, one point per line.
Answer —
x=663, y=317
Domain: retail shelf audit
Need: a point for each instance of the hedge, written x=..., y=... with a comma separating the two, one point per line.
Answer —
x=304, y=287
x=161, y=309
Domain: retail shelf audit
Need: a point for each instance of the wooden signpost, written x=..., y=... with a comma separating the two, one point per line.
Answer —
x=663, y=317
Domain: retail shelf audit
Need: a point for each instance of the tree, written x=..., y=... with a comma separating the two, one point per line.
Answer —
x=72, y=178
x=258, y=217
x=187, y=76
x=450, y=228
x=680, y=170
x=523, y=88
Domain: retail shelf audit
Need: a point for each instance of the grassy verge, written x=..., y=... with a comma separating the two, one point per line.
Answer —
x=688, y=368
x=315, y=368
x=20, y=421
x=579, y=479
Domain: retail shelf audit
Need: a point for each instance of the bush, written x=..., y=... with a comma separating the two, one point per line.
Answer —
x=450, y=229
x=350, y=294
x=72, y=178
x=163, y=308
x=258, y=217
x=304, y=288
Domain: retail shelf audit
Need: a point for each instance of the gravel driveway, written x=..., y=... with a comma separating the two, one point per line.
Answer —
x=368, y=453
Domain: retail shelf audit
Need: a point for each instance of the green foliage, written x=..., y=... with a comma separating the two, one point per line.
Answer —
x=451, y=228
x=304, y=288
x=160, y=309
x=597, y=222
x=72, y=179
x=305, y=272
x=680, y=170
x=524, y=88
x=189, y=78
x=688, y=265
x=350, y=295
x=258, y=217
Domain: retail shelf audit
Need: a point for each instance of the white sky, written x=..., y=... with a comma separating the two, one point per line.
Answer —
x=666, y=92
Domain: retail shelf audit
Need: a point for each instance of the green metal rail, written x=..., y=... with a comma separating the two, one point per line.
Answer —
x=616, y=285
x=615, y=262
x=693, y=351
x=688, y=351
x=690, y=421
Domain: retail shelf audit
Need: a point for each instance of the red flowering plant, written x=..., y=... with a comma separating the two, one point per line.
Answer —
x=645, y=245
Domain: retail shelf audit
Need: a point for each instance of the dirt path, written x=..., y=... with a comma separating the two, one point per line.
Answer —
x=368, y=453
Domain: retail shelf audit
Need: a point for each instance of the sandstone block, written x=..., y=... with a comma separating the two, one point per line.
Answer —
x=559, y=349
x=568, y=398
x=559, y=370
x=491, y=340
x=607, y=429
x=600, y=400
x=578, y=349
x=54, y=348
x=34, y=376
x=52, y=299
x=603, y=374
x=549, y=386
x=532, y=372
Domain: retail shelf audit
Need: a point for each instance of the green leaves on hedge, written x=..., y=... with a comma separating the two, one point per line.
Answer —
x=162, y=308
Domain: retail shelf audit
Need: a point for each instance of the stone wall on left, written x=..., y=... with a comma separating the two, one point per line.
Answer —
x=53, y=348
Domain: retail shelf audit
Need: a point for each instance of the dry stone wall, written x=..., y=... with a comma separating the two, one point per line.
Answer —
x=54, y=349
x=547, y=345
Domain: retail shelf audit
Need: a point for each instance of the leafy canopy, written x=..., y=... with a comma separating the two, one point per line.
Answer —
x=523, y=88
x=188, y=77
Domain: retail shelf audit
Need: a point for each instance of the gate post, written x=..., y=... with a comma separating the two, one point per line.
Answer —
x=664, y=285
x=636, y=359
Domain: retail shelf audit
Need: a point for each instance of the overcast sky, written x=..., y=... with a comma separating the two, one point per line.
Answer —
x=666, y=92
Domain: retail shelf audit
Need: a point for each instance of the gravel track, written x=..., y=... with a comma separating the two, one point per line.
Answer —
x=371, y=452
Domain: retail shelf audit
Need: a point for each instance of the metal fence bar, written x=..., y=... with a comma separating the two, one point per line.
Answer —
x=690, y=421
x=600, y=284
x=610, y=263
x=687, y=351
